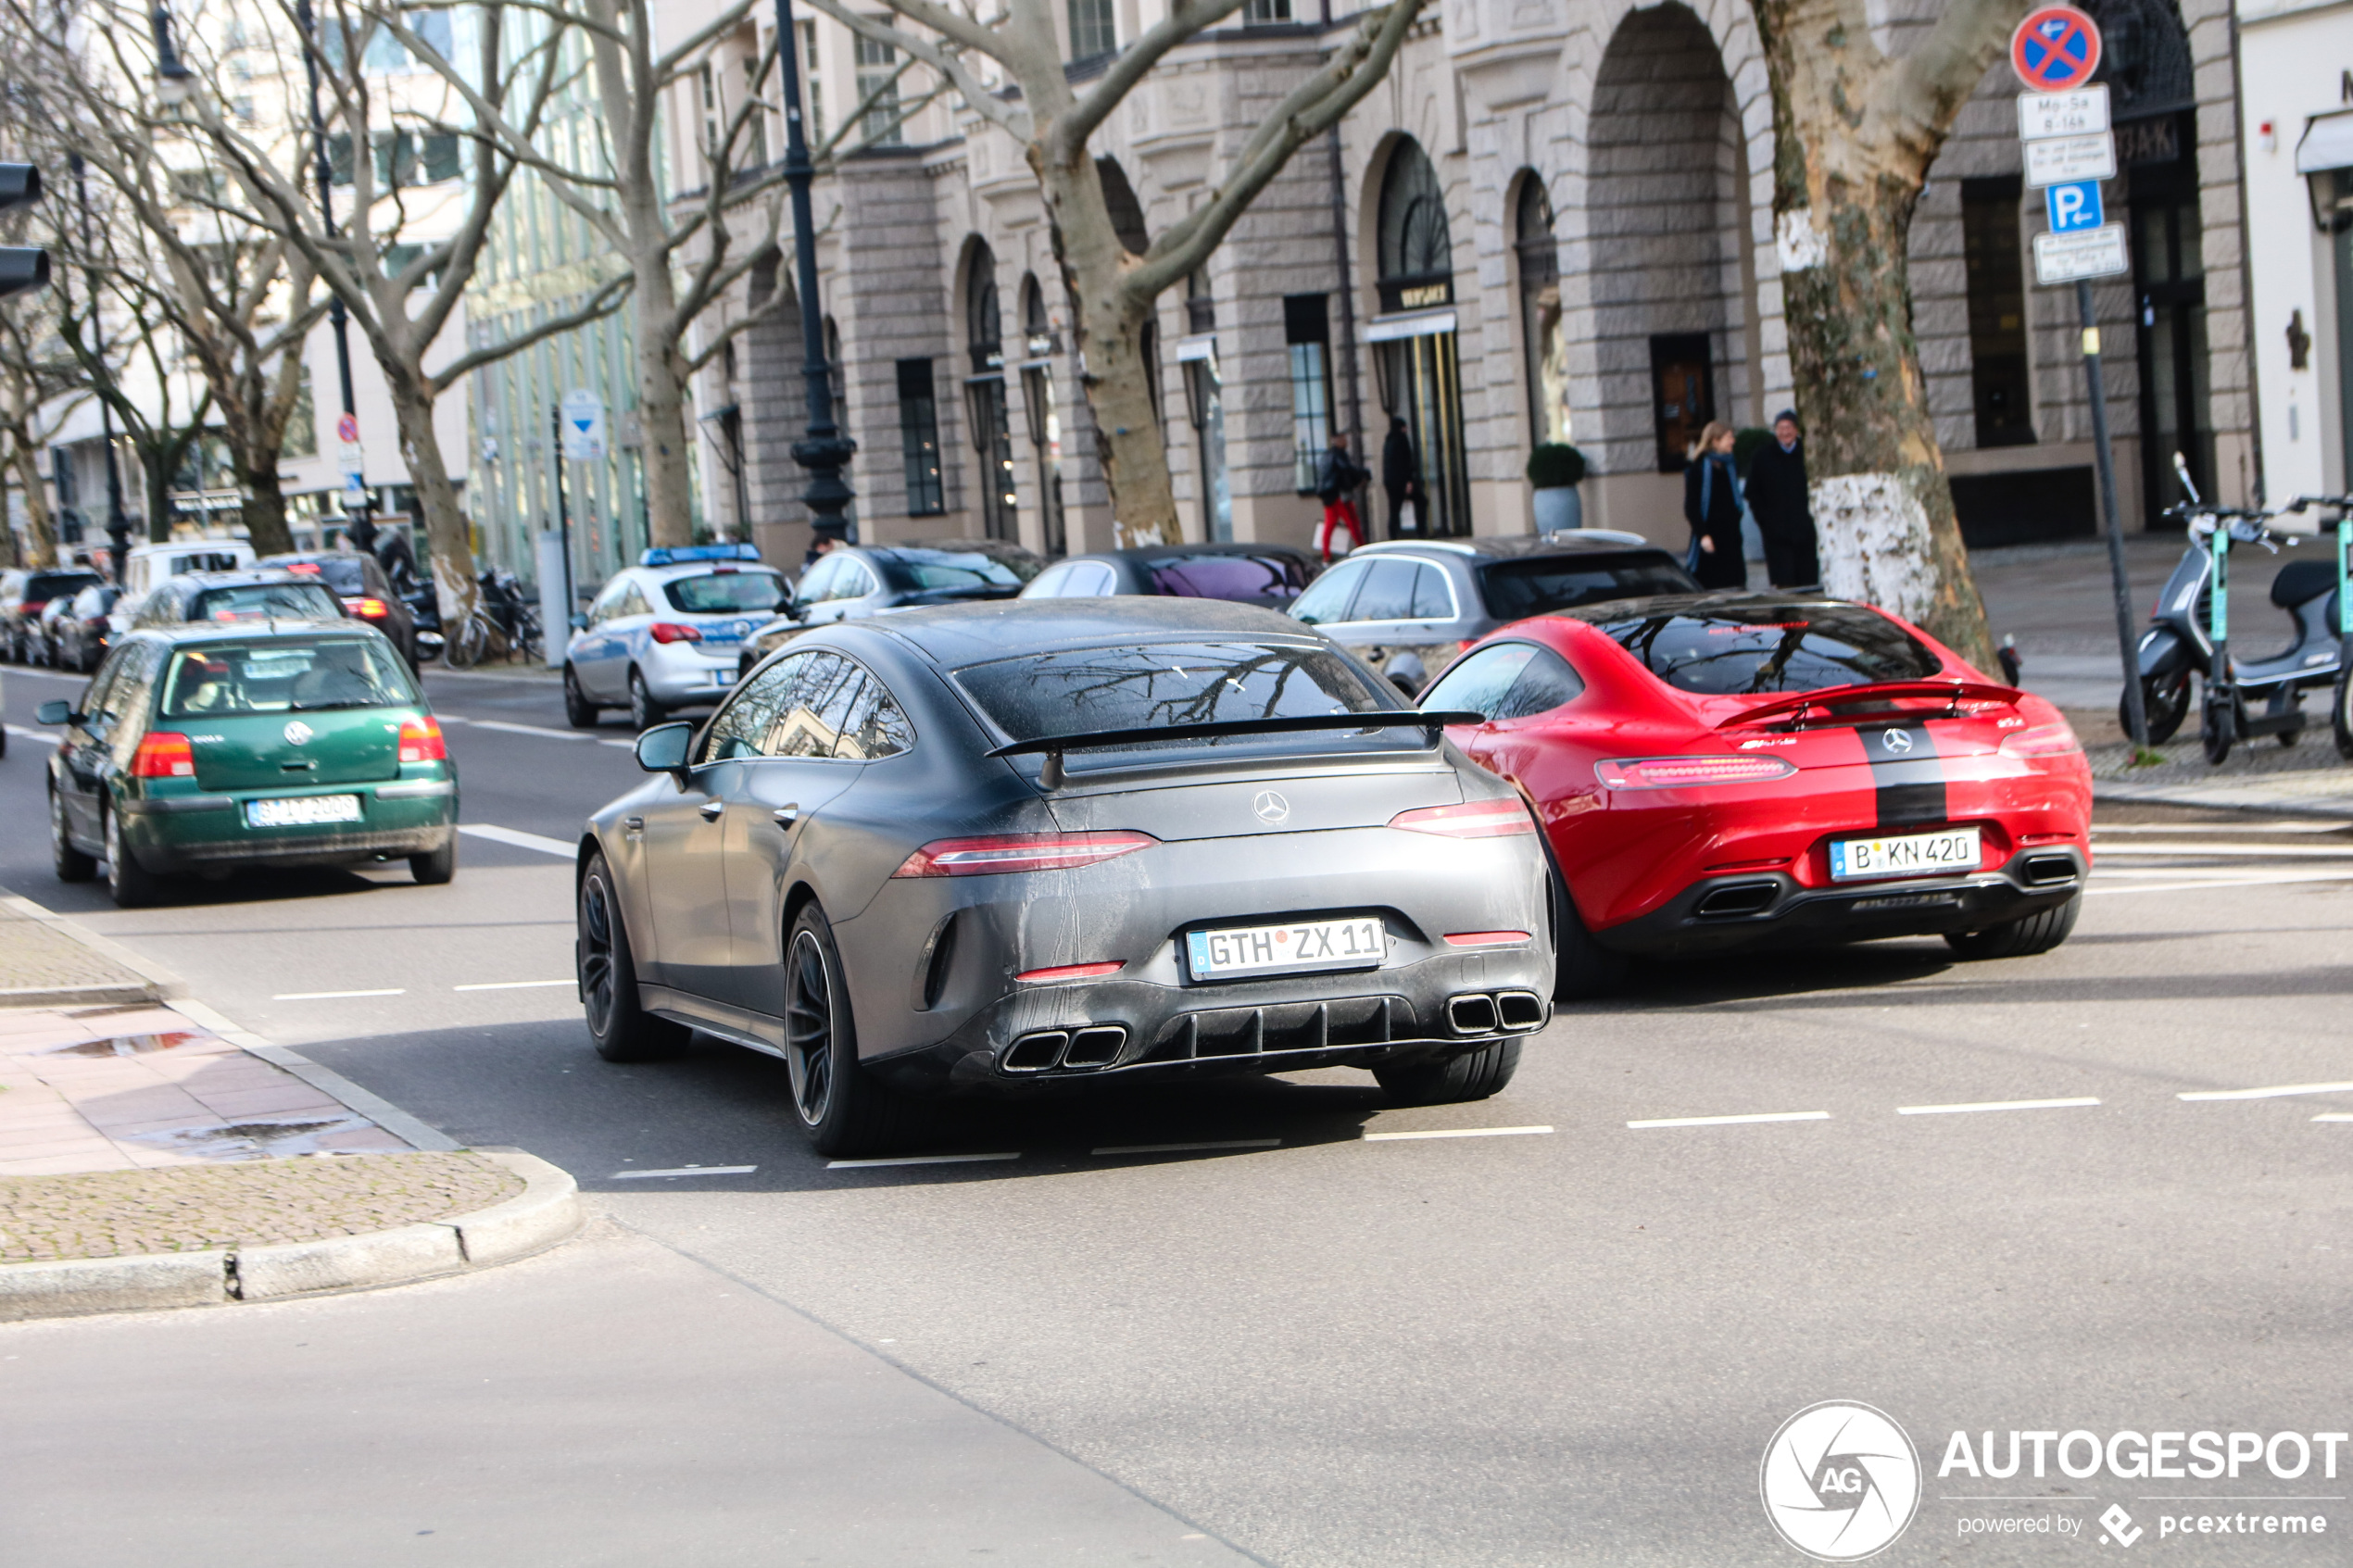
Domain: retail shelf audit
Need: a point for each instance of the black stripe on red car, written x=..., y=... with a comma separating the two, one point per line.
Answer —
x=1906, y=773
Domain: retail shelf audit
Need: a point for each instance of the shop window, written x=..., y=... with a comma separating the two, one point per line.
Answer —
x=1998, y=361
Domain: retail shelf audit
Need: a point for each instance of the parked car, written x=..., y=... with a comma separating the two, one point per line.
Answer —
x=665, y=634
x=1408, y=606
x=257, y=594
x=203, y=748
x=151, y=565
x=1269, y=575
x=852, y=582
x=1729, y=770
x=86, y=629
x=365, y=588
x=1002, y=847
x=23, y=595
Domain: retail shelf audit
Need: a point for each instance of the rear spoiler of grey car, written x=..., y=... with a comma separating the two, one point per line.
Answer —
x=1054, y=746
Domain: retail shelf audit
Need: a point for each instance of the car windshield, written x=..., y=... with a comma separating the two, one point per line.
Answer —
x=263, y=601
x=1271, y=580
x=1090, y=690
x=285, y=674
x=1764, y=649
x=717, y=592
x=1517, y=589
x=343, y=573
x=952, y=570
x=42, y=586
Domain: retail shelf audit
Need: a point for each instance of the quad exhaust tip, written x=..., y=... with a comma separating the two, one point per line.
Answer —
x=1503, y=1011
x=1096, y=1044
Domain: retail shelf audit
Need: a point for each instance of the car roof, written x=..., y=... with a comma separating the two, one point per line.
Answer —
x=246, y=631
x=1568, y=542
x=1005, y=549
x=677, y=570
x=249, y=577
x=1178, y=552
x=1676, y=604
x=975, y=633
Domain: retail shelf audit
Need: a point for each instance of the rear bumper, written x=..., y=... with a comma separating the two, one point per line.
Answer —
x=1753, y=909
x=684, y=674
x=183, y=833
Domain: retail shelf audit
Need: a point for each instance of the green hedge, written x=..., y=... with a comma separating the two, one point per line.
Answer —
x=1554, y=466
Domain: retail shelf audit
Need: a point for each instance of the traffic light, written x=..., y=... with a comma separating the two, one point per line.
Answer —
x=22, y=266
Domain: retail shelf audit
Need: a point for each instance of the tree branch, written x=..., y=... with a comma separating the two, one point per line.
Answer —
x=1183, y=21
x=603, y=302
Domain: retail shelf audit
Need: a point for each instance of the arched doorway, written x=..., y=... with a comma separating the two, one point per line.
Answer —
x=1415, y=352
x=1665, y=205
x=985, y=398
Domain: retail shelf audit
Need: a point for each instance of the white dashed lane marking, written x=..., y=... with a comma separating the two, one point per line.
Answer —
x=1991, y=1105
x=1185, y=1147
x=2276, y=1091
x=1733, y=1121
x=515, y=986
x=519, y=839
x=684, y=1170
x=1460, y=1133
x=917, y=1160
x=334, y=996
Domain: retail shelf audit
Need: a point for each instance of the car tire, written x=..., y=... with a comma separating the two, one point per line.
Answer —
x=579, y=712
x=1583, y=968
x=1473, y=1075
x=130, y=884
x=622, y=1030
x=844, y=1110
x=2165, y=701
x=72, y=864
x=2038, y=933
x=644, y=711
x=436, y=867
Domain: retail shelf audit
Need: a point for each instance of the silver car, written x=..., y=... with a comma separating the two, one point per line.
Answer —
x=1007, y=847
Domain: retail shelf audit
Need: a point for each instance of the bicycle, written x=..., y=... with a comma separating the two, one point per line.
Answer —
x=504, y=624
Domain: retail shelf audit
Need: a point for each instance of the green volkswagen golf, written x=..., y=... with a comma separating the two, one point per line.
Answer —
x=202, y=748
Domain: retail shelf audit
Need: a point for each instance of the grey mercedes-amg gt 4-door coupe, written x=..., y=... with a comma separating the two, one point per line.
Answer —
x=1015, y=845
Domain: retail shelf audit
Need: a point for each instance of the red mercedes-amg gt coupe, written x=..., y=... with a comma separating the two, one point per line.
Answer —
x=1725, y=771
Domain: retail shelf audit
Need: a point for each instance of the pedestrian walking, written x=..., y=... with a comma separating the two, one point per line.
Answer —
x=1785, y=510
x=1712, y=506
x=1335, y=484
x=1401, y=475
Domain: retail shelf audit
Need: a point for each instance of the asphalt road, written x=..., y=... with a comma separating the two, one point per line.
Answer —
x=1306, y=1341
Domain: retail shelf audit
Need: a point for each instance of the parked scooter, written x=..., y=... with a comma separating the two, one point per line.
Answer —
x=2340, y=614
x=2190, y=634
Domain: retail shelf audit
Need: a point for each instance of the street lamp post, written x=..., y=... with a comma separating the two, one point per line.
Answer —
x=362, y=528
x=824, y=451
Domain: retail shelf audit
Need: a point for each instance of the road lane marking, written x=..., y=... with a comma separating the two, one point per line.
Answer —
x=1186, y=1147
x=1991, y=1105
x=23, y=734
x=2333, y=1116
x=916, y=1159
x=526, y=729
x=624, y=744
x=332, y=996
x=2098, y=829
x=515, y=986
x=684, y=1170
x=1460, y=1133
x=2276, y=1091
x=2283, y=878
x=1733, y=1120
x=2237, y=851
x=520, y=840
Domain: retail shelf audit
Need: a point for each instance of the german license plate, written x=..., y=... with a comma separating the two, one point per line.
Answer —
x=1916, y=854
x=1287, y=950
x=302, y=810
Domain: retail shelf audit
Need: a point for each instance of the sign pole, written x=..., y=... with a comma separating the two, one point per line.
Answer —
x=2136, y=718
x=563, y=512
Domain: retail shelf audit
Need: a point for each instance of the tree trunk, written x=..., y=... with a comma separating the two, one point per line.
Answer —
x=266, y=510
x=661, y=409
x=40, y=532
x=448, y=540
x=1107, y=330
x=154, y=474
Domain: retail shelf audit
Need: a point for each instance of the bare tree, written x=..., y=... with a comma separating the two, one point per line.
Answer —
x=1856, y=129
x=40, y=389
x=1113, y=290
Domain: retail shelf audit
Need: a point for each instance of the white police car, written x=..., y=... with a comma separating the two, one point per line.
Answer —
x=664, y=634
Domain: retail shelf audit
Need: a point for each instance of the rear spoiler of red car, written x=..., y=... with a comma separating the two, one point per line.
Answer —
x=1790, y=712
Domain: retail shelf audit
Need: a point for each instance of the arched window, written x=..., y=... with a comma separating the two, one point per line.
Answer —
x=1037, y=345
x=982, y=320
x=985, y=398
x=1539, y=299
x=1416, y=252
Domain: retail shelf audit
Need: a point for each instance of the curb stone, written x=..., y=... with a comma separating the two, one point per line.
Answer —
x=408, y=1129
x=547, y=1214
x=150, y=980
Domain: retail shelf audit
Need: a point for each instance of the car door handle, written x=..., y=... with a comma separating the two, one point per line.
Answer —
x=786, y=816
x=710, y=810
x=633, y=824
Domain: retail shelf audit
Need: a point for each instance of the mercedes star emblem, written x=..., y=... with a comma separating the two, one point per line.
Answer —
x=1270, y=806
x=1896, y=741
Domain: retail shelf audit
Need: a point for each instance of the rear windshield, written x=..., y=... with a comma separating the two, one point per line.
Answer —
x=1088, y=690
x=285, y=674
x=262, y=601
x=1268, y=580
x=344, y=574
x=716, y=593
x=1764, y=649
x=42, y=586
x=938, y=571
x=1516, y=589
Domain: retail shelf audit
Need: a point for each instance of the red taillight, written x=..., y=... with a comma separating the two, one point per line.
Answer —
x=164, y=755
x=372, y=610
x=1484, y=938
x=1070, y=972
x=2042, y=740
x=421, y=740
x=1020, y=852
x=1475, y=819
x=308, y=567
x=670, y=632
x=1687, y=773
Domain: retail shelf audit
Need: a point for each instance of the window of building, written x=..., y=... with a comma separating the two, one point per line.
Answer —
x=1416, y=249
x=1200, y=305
x=1307, y=331
x=919, y=438
x=1539, y=301
x=1264, y=13
x=441, y=157
x=1092, y=30
x=812, y=83
x=1996, y=312
x=1683, y=393
x=878, y=79
x=710, y=112
x=985, y=400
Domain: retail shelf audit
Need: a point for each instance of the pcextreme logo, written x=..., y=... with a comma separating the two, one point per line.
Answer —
x=1840, y=1481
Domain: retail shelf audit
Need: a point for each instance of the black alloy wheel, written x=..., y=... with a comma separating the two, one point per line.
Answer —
x=579, y=712
x=644, y=711
x=1473, y=1075
x=622, y=1030
x=844, y=1108
x=72, y=864
x=809, y=1028
x=2023, y=937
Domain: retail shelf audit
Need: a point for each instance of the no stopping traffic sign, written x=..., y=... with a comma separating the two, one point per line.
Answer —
x=2055, y=48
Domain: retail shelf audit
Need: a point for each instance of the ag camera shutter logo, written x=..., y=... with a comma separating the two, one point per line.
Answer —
x=1840, y=1481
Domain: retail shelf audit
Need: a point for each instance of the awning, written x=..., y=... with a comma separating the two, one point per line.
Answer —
x=1411, y=323
x=2328, y=144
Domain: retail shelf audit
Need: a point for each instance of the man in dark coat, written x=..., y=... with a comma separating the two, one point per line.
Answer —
x=1777, y=493
x=1402, y=477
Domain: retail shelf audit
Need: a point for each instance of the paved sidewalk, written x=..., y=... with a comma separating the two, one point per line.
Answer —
x=45, y=962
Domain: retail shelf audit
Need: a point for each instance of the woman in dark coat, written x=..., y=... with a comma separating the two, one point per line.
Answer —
x=1712, y=506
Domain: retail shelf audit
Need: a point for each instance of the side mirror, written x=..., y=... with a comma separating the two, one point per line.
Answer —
x=1407, y=673
x=662, y=749
x=796, y=610
x=579, y=623
x=57, y=710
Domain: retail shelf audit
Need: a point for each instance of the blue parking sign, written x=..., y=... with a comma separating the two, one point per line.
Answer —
x=2074, y=206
